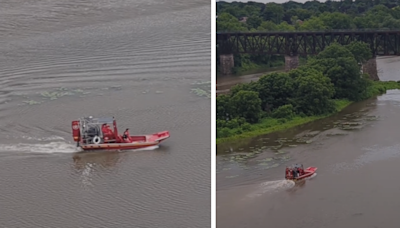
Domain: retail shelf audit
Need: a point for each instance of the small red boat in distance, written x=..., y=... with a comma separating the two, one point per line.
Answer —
x=102, y=134
x=297, y=172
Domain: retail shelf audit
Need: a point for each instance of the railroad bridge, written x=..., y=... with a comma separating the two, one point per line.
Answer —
x=303, y=43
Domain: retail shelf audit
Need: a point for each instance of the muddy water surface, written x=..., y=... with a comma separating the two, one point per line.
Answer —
x=357, y=152
x=141, y=61
x=225, y=82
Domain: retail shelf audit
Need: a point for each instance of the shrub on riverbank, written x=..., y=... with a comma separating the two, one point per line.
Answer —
x=325, y=85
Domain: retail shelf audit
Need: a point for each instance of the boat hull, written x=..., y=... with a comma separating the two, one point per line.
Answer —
x=119, y=146
x=139, y=142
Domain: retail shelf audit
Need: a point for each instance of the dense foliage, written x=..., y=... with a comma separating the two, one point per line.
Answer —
x=310, y=90
x=309, y=16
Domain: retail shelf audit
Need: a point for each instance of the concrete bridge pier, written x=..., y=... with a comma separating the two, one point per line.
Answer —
x=291, y=62
x=226, y=64
x=371, y=69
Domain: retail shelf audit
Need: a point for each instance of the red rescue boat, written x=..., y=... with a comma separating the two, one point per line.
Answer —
x=297, y=172
x=102, y=134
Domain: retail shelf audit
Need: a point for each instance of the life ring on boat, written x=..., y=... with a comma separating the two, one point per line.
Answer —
x=96, y=140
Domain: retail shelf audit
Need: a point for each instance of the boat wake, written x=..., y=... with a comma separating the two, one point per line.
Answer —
x=49, y=148
x=271, y=187
x=46, y=145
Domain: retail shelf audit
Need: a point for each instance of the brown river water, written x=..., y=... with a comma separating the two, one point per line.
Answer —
x=137, y=60
x=357, y=153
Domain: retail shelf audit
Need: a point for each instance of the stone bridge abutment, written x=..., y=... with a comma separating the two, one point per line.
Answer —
x=370, y=68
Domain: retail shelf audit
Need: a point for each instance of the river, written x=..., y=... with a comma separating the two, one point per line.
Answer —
x=136, y=60
x=357, y=153
x=226, y=82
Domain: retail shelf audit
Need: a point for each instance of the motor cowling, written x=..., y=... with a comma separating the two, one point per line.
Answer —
x=76, y=133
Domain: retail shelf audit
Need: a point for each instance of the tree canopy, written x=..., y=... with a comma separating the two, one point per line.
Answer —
x=335, y=73
x=311, y=15
x=308, y=16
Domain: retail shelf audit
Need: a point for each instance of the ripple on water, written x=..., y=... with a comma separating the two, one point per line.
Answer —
x=132, y=60
x=374, y=154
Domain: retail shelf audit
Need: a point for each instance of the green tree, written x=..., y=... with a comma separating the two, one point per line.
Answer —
x=267, y=26
x=364, y=22
x=360, y=50
x=337, y=20
x=377, y=16
x=275, y=90
x=224, y=110
x=227, y=22
x=273, y=12
x=361, y=6
x=339, y=64
x=284, y=111
x=284, y=26
x=254, y=21
x=313, y=92
x=301, y=14
x=395, y=12
x=247, y=104
x=252, y=10
x=390, y=23
x=335, y=50
x=252, y=86
x=235, y=11
x=313, y=24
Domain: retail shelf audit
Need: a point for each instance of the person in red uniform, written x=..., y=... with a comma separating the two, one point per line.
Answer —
x=107, y=132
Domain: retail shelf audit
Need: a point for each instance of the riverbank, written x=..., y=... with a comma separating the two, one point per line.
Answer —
x=270, y=125
x=256, y=69
x=225, y=83
x=250, y=67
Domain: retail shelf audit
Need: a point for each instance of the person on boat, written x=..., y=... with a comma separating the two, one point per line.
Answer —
x=107, y=132
x=126, y=136
x=301, y=169
x=294, y=172
x=104, y=128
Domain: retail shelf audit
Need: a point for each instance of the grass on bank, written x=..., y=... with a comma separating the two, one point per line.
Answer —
x=269, y=125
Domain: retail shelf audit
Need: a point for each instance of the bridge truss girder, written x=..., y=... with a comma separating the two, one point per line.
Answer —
x=305, y=43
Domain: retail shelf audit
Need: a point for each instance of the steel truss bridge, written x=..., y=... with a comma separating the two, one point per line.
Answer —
x=381, y=42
